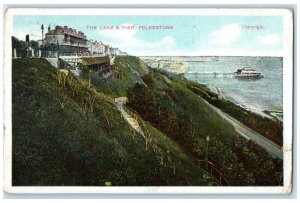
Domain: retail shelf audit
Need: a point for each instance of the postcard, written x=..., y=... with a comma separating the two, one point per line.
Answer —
x=148, y=101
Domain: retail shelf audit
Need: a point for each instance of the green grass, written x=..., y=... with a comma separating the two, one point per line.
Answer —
x=66, y=134
x=270, y=128
x=134, y=62
x=181, y=114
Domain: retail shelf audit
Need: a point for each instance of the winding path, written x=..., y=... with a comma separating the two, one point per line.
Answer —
x=248, y=133
x=120, y=101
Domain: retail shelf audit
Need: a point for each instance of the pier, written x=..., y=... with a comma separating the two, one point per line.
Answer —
x=215, y=74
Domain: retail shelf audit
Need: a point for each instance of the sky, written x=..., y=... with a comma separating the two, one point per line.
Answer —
x=190, y=36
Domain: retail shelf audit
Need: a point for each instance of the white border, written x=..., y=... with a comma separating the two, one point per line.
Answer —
x=287, y=103
x=149, y=11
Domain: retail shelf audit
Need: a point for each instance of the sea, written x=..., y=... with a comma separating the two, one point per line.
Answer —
x=217, y=72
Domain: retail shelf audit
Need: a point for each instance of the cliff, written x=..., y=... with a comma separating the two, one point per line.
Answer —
x=174, y=66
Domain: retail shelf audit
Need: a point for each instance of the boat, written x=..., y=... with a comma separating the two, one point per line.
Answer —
x=247, y=72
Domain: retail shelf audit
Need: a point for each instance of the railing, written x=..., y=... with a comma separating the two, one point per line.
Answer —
x=51, y=54
x=74, y=44
x=69, y=54
x=145, y=133
x=75, y=35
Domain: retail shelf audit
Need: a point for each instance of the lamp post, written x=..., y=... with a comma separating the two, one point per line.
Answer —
x=28, y=45
x=42, y=44
x=42, y=28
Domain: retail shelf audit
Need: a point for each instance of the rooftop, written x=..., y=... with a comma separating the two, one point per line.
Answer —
x=95, y=60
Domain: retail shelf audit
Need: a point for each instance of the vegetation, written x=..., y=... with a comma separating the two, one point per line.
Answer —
x=272, y=129
x=65, y=133
x=188, y=120
x=22, y=46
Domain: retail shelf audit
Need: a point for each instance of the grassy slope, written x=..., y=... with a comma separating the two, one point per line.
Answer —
x=241, y=161
x=49, y=114
x=170, y=105
x=188, y=120
x=270, y=128
x=63, y=134
x=181, y=114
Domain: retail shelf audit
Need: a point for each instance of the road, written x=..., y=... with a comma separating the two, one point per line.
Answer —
x=248, y=133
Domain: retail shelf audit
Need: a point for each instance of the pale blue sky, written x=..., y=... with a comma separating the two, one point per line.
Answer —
x=192, y=35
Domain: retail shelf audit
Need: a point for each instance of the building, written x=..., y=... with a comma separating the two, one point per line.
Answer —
x=68, y=39
x=96, y=63
x=123, y=53
x=101, y=65
x=100, y=49
x=115, y=51
x=63, y=41
x=96, y=48
x=107, y=50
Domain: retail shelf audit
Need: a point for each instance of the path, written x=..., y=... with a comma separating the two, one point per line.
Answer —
x=120, y=101
x=248, y=133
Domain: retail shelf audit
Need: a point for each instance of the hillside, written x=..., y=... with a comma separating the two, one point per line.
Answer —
x=167, y=102
x=65, y=133
x=269, y=128
x=184, y=116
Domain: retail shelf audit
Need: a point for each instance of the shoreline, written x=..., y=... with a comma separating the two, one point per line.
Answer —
x=182, y=67
x=265, y=112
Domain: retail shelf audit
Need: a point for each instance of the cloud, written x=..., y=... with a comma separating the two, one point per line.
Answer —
x=270, y=39
x=21, y=35
x=127, y=40
x=226, y=34
x=119, y=35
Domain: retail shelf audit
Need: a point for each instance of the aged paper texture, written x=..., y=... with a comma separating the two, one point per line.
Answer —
x=189, y=101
